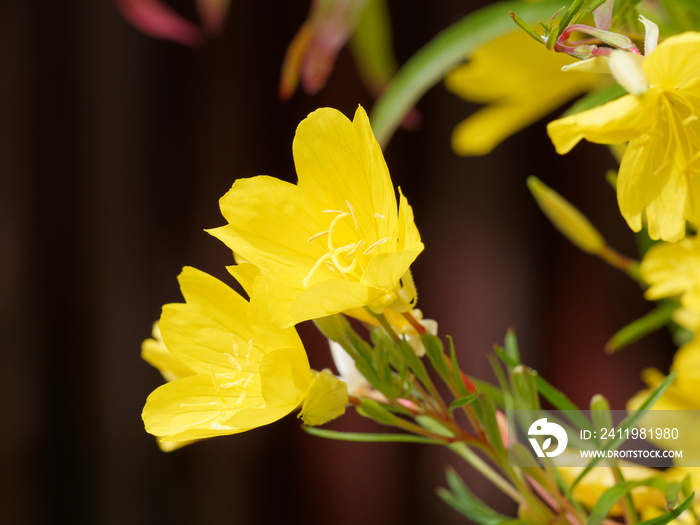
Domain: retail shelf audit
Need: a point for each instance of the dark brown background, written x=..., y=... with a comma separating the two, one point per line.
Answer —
x=114, y=150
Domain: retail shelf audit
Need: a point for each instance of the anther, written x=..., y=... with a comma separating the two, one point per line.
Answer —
x=372, y=246
x=352, y=212
x=319, y=234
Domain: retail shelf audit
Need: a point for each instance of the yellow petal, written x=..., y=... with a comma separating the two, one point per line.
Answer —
x=612, y=123
x=210, y=331
x=270, y=223
x=325, y=400
x=341, y=162
x=154, y=352
x=202, y=403
x=675, y=64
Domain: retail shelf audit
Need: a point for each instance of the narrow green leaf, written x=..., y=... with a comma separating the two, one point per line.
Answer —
x=526, y=27
x=485, y=411
x=450, y=47
x=595, y=4
x=600, y=412
x=657, y=318
x=456, y=372
x=371, y=409
x=458, y=403
x=524, y=387
x=612, y=495
x=436, y=353
x=511, y=345
x=370, y=437
x=629, y=422
x=669, y=516
x=466, y=503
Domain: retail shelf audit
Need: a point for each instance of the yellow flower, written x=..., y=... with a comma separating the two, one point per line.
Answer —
x=673, y=269
x=335, y=240
x=246, y=372
x=520, y=80
x=675, y=408
x=589, y=490
x=659, y=169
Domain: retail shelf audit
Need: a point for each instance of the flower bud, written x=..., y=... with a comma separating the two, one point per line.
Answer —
x=567, y=219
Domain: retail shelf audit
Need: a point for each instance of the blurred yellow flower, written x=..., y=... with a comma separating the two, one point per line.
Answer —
x=673, y=269
x=682, y=398
x=246, y=372
x=520, y=80
x=659, y=169
x=589, y=490
x=335, y=240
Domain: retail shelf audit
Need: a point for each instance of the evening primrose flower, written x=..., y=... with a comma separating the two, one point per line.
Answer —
x=658, y=174
x=521, y=82
x=333, y=241
x=246, y=372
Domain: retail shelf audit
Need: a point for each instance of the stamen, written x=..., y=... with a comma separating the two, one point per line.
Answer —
x=319, y=234
x=332, y=268
x=378, y=215
x=371, y=248
x=333, y=211
x=354, y=250
x=339, y=266
x=352, y=212
x=250, y=351
x=233, y=360
x=315, y=268
x=217, y=387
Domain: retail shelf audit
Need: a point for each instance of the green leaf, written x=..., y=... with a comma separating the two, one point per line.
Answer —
x=669, y=516
x=600, y=412
x=450, y=47
x=370, y=437
x=595, y=99
x=629, y=422
x=485, y=411
x=458, y=403
x=595, y=4
x=456, y=372
x=524, y=387
x=526, y=27
x=466, y=503
x=657, y=318
x=371, y=409
x=511, y=346
x=436, y=353
x=612, y=495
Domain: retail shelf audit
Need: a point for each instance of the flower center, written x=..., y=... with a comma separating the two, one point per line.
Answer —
x=345, y=259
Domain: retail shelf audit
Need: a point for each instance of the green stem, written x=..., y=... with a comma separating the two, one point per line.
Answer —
x=450, y=47
x=485, y=469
